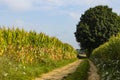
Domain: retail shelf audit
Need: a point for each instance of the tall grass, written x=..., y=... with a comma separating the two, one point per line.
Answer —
x=32, y=47
x=24, y=53
x=107, y=58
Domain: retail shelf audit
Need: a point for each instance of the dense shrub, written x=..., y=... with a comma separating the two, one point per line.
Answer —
x=107, y=58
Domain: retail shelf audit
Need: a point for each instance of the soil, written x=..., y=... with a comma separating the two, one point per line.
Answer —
x=93, y=75
x=60, y=73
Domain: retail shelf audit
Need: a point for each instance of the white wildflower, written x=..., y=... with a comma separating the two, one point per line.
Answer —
x=5, y=74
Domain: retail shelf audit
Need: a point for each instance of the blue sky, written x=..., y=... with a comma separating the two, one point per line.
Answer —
x=54, y=17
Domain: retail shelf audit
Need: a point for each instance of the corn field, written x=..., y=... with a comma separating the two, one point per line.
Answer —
x=31, y=47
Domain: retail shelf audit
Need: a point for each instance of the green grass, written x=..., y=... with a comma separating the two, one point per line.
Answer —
x=10, y=70
x=81, y=73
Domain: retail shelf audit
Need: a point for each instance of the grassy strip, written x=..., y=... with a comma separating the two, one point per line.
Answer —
x=81, y=73
x=10, y=70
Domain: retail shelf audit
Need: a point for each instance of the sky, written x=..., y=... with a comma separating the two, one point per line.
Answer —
x=56, y=18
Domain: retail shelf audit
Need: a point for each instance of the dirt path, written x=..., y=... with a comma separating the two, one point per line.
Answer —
x=93, y=75
x=60, y=73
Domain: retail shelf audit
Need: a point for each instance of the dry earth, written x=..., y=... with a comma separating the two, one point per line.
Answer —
x=93, y=75
x=60, y=73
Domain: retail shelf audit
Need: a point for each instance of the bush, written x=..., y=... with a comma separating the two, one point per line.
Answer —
x=107, y=58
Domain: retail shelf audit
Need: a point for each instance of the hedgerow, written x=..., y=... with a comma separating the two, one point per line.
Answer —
x=107, y=58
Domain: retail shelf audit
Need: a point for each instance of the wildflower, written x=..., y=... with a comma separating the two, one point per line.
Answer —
x=10, y=63
x=5, y=74
x=24, y=67
x=24, y=73
x=106, y=73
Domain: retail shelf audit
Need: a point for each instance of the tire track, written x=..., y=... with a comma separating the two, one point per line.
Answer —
x=93, y=75
x=60, y=73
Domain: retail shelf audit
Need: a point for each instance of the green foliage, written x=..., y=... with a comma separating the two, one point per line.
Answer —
x=31, y=47
x=110, y=49
x=81, y=73
x=10, y=70
x=33, y=51
x=96, y=26
x=107, y=58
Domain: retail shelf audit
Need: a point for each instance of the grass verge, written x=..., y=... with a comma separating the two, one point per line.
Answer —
x=10, y=70
x=81, y=73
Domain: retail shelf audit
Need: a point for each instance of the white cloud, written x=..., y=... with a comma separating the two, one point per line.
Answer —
x=23, y=5
x=56, y=2
x=53, y=5
x=17, y=5
x=87, y=2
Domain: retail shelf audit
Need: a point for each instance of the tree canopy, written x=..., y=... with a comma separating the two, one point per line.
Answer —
x=96, y=26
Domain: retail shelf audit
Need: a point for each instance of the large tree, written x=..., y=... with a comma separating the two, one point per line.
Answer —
x=96, y=26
